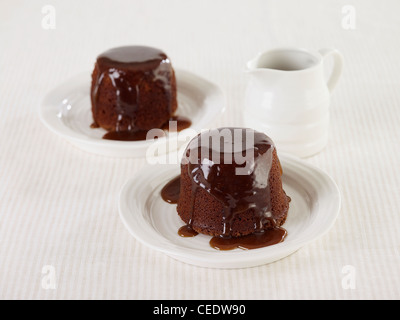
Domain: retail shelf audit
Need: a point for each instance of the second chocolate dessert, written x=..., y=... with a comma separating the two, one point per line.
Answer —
x=133, y=90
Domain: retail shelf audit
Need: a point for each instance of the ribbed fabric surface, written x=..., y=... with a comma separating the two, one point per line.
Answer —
x=58, y=204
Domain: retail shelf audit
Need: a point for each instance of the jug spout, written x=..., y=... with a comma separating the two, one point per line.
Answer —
x=258, y=73
x=252, y=64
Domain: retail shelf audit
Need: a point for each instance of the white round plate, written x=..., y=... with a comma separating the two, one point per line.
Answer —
x=314, y=207
x=66, y=111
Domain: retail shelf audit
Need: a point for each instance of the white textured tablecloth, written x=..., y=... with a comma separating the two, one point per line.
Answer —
x=58, y=204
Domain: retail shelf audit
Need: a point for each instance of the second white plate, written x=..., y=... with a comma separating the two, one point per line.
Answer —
x=66, y=111
x=314, y=207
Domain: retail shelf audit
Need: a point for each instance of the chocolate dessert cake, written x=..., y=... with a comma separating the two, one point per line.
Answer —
x=231, y=187
x=133, y=90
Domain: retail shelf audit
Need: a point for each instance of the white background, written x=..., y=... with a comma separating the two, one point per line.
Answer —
x=58, y=204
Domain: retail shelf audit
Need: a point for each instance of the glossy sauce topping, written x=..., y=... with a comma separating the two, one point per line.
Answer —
x=117, y=64
x=138, y=58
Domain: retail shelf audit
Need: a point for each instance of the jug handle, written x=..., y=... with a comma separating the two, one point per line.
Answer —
x=337, y=66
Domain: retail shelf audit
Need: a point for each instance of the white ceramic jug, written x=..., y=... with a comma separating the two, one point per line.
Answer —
x=288, y=98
